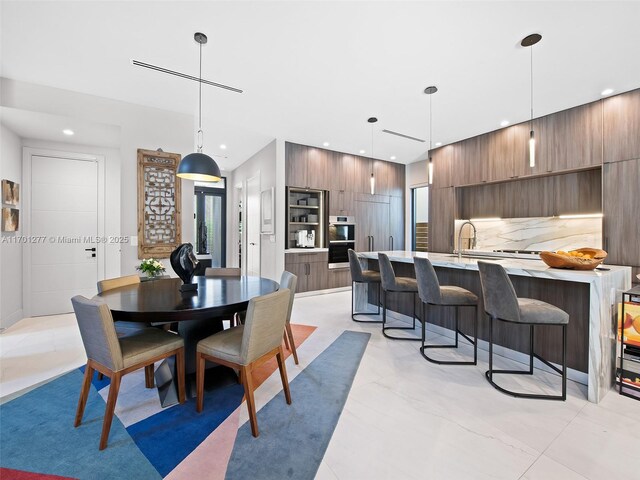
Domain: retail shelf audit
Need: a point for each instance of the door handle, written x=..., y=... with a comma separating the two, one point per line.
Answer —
x=391, y=242
x=369, y=243
x=93, y=255
x=373, y=243
x=90, y=249
x=251, y=243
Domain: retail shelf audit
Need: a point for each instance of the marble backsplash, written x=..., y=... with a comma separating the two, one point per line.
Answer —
x=533, y=233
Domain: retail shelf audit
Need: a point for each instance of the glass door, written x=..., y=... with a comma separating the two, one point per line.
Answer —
x=211, y=222
x=420, y=219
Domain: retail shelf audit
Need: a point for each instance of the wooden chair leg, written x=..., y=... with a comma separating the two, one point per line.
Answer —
x=111, y=406
x=180, y=371
x=286, y=340
x=294, y=352
x=248, y=395
x=84, y=394
x=200, y=362
x=283, y=375
x=148, y=376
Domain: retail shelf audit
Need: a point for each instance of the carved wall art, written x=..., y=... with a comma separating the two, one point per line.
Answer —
x=159, y=207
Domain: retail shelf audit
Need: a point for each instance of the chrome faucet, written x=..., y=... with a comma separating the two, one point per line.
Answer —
x=473, y=239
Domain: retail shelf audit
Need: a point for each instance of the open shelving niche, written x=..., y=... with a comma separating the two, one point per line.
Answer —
x=305, y=211
x=628, y=358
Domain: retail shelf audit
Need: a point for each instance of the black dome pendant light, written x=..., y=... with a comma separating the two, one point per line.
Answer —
x=197, y=165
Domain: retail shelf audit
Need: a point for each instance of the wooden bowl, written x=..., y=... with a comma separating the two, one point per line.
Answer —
x=576, y=263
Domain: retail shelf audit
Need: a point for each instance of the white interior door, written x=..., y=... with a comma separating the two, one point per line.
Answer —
x=64, y=211
x=252, y=215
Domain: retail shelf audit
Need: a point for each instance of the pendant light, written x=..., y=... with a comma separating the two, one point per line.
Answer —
x=197, y=165
x=372, y=180
x=529, y=41
x=430, y=91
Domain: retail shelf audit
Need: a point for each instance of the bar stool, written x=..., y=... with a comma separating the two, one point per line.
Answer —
x=362, y=276
x=501, y=303
x=391, y=283
x=432, y=293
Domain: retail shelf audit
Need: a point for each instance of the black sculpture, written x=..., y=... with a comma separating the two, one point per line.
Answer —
x=184, y=263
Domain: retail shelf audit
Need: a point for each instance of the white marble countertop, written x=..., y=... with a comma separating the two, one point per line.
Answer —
x=306, y=250
x=514, y=266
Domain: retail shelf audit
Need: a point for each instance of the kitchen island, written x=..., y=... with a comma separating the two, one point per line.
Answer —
x=589, y=297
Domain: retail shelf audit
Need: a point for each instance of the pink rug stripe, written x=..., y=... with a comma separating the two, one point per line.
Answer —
x=10, y=474
x=212, y=455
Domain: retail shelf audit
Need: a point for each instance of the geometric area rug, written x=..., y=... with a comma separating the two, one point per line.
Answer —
x=38, y=441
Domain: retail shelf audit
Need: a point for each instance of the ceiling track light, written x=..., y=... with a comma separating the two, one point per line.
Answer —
x=528, y=42
x=430, y=91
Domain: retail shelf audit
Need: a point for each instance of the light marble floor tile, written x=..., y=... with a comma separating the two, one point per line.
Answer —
x=547, y=469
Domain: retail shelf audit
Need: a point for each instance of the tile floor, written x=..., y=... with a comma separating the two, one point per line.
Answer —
x=405, y=418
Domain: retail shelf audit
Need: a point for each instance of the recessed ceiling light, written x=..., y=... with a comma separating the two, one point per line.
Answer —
x=325, y=144
x=504, y=123
x=362, y=151
x=607, y=91
x=68, y=131
x=393, y=157
x=223, y=146
x=438, y=144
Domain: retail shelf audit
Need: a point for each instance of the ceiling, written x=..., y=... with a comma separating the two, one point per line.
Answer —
x=313, y=72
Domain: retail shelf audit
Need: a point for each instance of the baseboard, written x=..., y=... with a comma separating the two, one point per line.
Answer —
x=12, y=319
x=322, y=292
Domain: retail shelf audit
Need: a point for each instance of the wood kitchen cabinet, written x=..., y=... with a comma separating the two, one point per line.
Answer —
x=296, y=169
x=310, y=268
x=308, y=167
x=362, y=173
x=372, y=229
x=622, y=127
x=441, y=219
x=443, y=160
x=341, y=202
x=621, y=206
x=396, y=223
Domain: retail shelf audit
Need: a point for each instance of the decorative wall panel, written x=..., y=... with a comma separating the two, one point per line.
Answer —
x=158, y=204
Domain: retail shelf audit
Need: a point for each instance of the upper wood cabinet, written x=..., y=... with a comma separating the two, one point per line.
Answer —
x=396, y=223
x=622, y=127
x=443, y=160
x=442, y=213
x=308, y=167
x=296, y=165
x=342, y=171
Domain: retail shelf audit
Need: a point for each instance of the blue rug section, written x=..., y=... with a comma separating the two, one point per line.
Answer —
x=37, y=435
x=167, y=437
x=98, y=384
x=293, y=438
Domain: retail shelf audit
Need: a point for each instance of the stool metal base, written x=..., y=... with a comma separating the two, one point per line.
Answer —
x=353, y=314
x=455, y=345
x=384, y=318
x=489, y=373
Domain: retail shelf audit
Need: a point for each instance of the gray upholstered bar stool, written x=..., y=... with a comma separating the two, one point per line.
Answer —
x=391, y=283
x=358, y=275
x=432, y=293
x=501, y=303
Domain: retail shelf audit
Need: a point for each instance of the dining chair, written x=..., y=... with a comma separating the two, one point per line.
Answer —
x=123, y=327
x=246, y=346
x=368, y=277
x=501, y=303
x=289, y=281
x=116, y=356
x=238, y=317
x=392, y=283
x=432, y=293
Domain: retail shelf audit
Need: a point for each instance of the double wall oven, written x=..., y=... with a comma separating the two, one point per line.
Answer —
x=342, y=237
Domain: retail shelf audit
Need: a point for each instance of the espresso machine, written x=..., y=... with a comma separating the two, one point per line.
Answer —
x=306, y=239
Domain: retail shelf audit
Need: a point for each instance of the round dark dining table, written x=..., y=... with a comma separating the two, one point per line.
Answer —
x=199, y=313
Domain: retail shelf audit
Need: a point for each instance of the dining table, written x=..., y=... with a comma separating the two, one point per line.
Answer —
x=198, y=313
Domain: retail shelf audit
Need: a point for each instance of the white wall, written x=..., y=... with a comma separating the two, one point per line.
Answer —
x=10, y=253
x=263, y=163
x=141, y=127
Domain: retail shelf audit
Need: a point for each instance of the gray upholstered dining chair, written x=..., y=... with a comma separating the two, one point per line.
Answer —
x=391, y=283
x=358, y=275
x=238, y=317
x=502, y=303
x=247, y=346
x=115, y=357
x=432, y=293
x=289, y=281
x=123, y=327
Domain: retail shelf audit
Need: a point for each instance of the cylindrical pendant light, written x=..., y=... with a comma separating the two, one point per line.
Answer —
x=372, y=179
x=197, y=165
x=430, y=91
x=529, y=41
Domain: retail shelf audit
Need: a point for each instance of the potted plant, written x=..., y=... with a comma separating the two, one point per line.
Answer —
x=151, y=267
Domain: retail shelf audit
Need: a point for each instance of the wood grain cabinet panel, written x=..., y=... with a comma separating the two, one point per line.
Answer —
x=622, y=127
x=344, y=173
x=295, y=165
x=621, y=204
x=362, y=172
x=396, y=223
x=499, y=163
x=519, y=166
x=319, y=173
x=442, y=212
x=341, y=202
x=443, y=160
